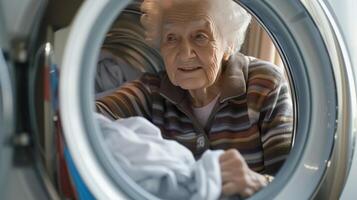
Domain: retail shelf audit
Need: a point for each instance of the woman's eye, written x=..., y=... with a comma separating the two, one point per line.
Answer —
x=171, y=38
x=201, y=37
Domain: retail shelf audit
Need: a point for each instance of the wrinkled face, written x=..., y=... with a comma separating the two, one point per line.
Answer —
x=191, y=46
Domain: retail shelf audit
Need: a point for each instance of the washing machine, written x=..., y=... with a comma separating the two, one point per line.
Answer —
x=315, y=40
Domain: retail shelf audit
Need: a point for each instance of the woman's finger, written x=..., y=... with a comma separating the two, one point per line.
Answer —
x=246, y=192
x=230, y=154
x=230, y=189
x=226, y=177
x=235, y=166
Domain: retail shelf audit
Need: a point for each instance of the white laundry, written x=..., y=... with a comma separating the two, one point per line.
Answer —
x=163, y=167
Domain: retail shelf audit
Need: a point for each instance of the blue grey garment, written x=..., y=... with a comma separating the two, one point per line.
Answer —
x=163, y=167
x=113, y=71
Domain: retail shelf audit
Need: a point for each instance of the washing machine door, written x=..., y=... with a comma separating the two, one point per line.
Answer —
x=322, y=82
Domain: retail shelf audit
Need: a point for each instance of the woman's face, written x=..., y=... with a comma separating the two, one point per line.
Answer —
x=191, y=46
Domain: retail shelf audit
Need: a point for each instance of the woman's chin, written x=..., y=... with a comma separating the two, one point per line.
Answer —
x=191, y=86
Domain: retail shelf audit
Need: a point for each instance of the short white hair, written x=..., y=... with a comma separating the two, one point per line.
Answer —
x=233, y=24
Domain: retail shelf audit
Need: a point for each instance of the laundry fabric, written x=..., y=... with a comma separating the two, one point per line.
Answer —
x=113, y=71
x=162, y=167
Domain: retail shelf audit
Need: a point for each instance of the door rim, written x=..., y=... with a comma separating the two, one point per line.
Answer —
x=74, y=109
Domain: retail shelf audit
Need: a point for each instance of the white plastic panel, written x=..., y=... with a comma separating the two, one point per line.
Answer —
x=19, y=15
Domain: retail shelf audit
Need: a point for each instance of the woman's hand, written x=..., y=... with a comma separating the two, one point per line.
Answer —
x=237, y=177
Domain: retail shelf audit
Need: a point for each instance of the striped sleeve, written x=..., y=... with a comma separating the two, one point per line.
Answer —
x=132, y=99
x=276, y=127
x=270, y=98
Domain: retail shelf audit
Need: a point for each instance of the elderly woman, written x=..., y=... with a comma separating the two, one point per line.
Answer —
x=211, y=96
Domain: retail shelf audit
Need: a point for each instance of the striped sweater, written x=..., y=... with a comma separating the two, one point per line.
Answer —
x=253, y=113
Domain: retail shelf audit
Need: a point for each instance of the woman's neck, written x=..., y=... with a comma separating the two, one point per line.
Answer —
x=203, y=96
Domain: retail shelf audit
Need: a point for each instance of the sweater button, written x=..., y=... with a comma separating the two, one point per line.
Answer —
x=200, y=142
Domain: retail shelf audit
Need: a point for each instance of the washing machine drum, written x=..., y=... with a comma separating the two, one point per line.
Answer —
x=321, y=86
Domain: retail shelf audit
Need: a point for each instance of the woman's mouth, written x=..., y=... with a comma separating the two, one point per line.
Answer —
x=188, y=69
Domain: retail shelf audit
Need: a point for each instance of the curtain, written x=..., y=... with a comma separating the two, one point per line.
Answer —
x=258, y=44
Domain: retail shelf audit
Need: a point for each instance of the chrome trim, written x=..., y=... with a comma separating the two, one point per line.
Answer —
x=341, y=158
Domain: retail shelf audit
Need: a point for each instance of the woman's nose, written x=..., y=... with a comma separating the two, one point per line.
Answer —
x=187, y=50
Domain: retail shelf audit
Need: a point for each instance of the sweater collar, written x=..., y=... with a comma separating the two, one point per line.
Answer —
x=232, y=84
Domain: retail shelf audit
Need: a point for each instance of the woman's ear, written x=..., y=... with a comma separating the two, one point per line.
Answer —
x=228, y=52
x=226, y=56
